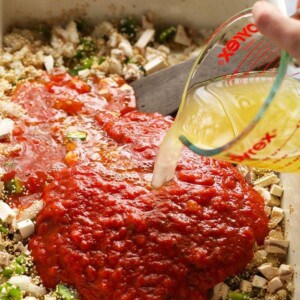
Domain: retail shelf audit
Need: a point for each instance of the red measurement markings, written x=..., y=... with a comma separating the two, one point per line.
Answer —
x=248, y=55
x=263, y=52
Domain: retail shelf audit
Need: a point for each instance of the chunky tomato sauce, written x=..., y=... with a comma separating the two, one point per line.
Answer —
x=103, y=229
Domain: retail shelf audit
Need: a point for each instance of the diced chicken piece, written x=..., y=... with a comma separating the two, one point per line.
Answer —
x=84, y=73
x=277, y=246
x=6, y=213
x=164, y=49
x=260, y=257
x=6, y=129
x=276, y=216
x=268, y=271
x=274, y=285
x=126, y=47
x=245, y=286
x=220, y=291
x=35, y=290
x=126, y=88
x=147, y=21
x=131, y=72
x=264, y=193
x=267, y=180
x=276, y=234
x=7, y=57
x=259, y=281
x=31, y=211
x=285, y=272
x=152, y=53
x=155, y=65
x=23, y=249
x=244, y=170
x=69, y=34
x=26, y=228
x=11, y=109
x=115, y=66
x=30, y=298
x=276, y=190
x=274, y=201
x=49, y=62
x=117, y=54
x=145, y=38
x=4, y=259
x=114, y=40
x=181, y=36
x=65, y=41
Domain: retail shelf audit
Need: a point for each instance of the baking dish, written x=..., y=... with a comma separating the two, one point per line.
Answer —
x=197, y=14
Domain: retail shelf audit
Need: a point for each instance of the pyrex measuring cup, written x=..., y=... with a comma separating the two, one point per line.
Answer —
x=241, y=104
x=257, y=91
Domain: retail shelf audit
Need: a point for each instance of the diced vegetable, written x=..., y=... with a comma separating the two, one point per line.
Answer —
x=238, y=296
x=77, y=135
x=64, y=292
x=10, y=292
x=14, y=186
x=101, y=60
x=3, y=229
x=22, y=259
x=167, y=35
x=19, y=269
x=128, y=60
x=7, y=272
x=86, y=48
x=86, y=63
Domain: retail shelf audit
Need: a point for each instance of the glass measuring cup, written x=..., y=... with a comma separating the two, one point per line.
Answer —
x=239, y=59
x=241, y=104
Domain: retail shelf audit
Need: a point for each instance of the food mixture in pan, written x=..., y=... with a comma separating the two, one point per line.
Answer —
x=79, y=218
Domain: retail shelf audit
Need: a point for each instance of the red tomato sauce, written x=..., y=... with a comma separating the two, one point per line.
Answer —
x=103, y=229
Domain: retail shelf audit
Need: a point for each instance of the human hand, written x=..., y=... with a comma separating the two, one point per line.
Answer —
x=282, y=30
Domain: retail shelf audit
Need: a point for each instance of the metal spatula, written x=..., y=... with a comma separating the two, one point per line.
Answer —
x=162, y=91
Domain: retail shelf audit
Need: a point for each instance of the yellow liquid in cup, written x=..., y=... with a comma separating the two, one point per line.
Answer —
x=216, y=112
